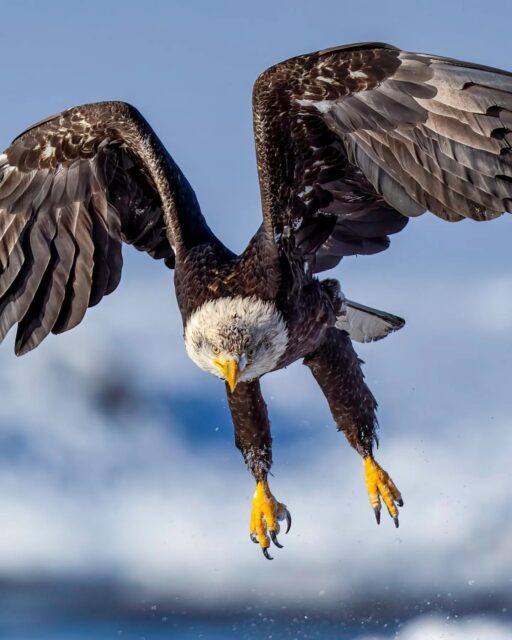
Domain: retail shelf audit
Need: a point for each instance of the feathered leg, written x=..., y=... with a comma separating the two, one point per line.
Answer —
x=253, y=438
x=337, y=369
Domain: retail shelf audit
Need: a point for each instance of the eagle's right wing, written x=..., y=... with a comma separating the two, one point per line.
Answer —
x=72, y=188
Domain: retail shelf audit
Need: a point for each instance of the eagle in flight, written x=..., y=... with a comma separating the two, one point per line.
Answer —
x=350, y=142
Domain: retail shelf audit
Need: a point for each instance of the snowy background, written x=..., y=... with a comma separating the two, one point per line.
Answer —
x=123, y=503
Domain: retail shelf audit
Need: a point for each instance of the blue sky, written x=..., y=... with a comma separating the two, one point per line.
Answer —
x=128, y=492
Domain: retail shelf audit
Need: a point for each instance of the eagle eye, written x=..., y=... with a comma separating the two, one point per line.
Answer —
x=216, y=350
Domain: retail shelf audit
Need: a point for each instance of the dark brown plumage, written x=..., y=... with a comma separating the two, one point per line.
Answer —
x=351, y=142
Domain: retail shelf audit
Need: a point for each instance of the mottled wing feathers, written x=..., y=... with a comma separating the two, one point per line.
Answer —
x=352, y=141
x=71, y=190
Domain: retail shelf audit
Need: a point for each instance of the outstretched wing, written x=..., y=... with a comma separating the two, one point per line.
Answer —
x=72, y=188
x=352, y=141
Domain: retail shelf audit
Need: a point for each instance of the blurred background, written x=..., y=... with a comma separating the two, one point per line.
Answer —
x=123, y=503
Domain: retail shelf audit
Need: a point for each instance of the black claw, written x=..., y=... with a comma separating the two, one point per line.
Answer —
x=288, y=521
x=395, y=520
x=273, y=537
x=267, y=554
x=400, y=502
x=253, y=538
x=376, y=511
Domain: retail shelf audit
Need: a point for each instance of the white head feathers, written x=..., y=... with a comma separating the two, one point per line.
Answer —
x=246, y=328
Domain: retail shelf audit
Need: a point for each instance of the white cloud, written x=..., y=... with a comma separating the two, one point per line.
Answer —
x=150, y=510
x=438, y=628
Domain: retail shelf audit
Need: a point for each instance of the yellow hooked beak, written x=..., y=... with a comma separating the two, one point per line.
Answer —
x=229, y=370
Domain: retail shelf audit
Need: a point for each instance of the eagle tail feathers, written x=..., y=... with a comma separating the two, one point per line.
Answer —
x=365, y=324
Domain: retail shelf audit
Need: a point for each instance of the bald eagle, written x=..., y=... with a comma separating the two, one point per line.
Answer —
x=351, y=142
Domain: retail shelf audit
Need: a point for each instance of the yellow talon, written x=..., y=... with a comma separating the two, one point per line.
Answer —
x=380, y=485
x=265, y=516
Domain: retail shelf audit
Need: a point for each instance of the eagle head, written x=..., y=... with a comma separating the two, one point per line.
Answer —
x=236, y=338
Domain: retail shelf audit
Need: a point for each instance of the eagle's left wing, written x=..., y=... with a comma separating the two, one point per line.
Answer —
x=353, y=140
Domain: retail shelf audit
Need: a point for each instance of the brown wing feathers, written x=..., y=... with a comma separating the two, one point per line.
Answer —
x=375, y=135
x=71, y=190
x=48, y=285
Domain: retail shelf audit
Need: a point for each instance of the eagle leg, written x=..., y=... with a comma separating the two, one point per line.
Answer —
x=253, y=438
x=266, y=514
x=379, y=484
x=337, y=369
